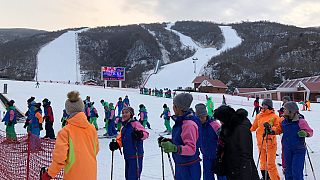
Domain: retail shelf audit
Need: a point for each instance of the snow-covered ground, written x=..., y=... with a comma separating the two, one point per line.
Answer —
x=182, y=73
x=21, y=91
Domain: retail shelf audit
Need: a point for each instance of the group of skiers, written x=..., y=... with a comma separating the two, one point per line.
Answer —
x=222, y=135
x=167, y=93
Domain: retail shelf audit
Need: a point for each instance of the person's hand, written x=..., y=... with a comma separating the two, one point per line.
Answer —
x=169, y=147
x=267, y=129
x=302, y=133
x=137, y=134
x=113, y=146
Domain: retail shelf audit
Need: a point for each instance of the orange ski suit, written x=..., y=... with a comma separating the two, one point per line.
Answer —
x=274, y=120
x=75, y=150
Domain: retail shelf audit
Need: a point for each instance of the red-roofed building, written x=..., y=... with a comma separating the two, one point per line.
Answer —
x=301, y=89
x=205, y=84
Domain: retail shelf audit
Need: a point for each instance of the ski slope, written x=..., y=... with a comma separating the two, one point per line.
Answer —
x=182, y=73
x=56, y=92
x=57, y=61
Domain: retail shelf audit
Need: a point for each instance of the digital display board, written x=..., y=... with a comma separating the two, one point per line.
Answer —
x=113, y=73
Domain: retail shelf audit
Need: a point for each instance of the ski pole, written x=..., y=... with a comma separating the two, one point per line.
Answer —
x=137, y=160
x=309, y=148
x=112, y=155
x=169, y=157
x=260, y=150
x=266, y=172
x=162, y=163
x=314, y=176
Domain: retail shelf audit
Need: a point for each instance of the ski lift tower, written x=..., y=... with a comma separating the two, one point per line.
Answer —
x=194, y=61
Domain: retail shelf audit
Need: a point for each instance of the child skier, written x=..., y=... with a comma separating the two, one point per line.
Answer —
x=126, y=101
x=131, y=139
x=209, y=141
x=143, y=115
x=120, y=104
x=295, y=129
x=185, y=140
x=166, y=116
x=64, y=118
x=48, y=118
x=210, y=106
x=93, y=115
x=10, y=119
x=110, y=124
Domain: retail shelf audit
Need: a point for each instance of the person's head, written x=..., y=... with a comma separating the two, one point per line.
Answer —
x=201, y=112
x=10, y=103
x=290, y=109
x=182, y=103
x=45, y=102
x=165, y=106
x=110, y=105
x=141, y=106
x=31, y=99
x=127, y=113
x=126, y=97
x=257, y=98
x=267, y=104
x=88, y=98
x=74, y=103
x=120, y=99
x=224, y=114
x=101, y=101
x=286, y=99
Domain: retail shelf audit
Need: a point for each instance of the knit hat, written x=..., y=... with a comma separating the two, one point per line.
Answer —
x=74, y=103
x=164, y=106
x=10, y=103
x=201, y=110
x=286, y=98
x=267, y=102
x=183, y=101
x=130, y=109
x=291, y=106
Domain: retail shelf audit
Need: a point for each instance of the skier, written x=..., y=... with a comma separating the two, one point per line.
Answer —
x=267, y=144
x=143, y=115
x=76, y=146
x=10, y=119
x=87, y=109
x=184, y=144
x=93, y=115
x=166, y=116
x=64, y=118
x=126, y=101
x=37, y=84
x=295, y=129
x=210, y=106
x=285, y=99
x=120, y=104
x=48, y=118
x=110, y=124
x=209, y=141
x=29, y=102
x=131, y=139
x=257, y=107
x=105, y=108
x=308, y=105
x=235, y=146
x=223, y=100
x=36, y=119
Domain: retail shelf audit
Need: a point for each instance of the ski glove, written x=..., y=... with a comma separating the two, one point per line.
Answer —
x=113, y=146
x=267, y=129
x=302, y=133
x=138, y=135
x=169, y=147
x=163, y=139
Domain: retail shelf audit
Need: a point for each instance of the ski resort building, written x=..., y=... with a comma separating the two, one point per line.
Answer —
x=207, y=85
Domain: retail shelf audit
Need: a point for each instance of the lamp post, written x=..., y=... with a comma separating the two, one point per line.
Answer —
x=194, y=60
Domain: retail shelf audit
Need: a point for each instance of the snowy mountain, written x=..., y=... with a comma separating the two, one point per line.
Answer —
x=269, y=53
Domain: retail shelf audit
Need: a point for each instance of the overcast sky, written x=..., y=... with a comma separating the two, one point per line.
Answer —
x=60, y=14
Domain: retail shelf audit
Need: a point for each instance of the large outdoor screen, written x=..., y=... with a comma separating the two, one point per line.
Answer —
x=113, y=73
